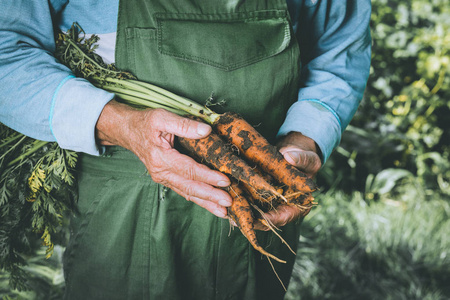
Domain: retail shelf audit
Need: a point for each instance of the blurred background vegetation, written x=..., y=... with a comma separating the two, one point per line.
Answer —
x=381, y=229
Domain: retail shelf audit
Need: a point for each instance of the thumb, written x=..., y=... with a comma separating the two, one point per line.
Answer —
x=293, y=157
x=307, y=161
x=185, y=127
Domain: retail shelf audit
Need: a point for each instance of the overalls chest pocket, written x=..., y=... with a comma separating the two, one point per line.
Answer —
x=225, y=41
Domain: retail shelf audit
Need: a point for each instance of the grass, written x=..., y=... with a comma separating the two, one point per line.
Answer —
x=387, y=249
x=395, y=247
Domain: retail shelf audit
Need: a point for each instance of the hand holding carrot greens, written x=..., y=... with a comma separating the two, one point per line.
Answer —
x=150, y=135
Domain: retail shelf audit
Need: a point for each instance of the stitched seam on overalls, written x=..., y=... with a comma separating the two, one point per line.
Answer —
x=84, y=224
x=130, y=50
x=238, y=16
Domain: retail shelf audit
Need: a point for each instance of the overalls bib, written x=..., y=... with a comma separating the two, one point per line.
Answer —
x=133, y=240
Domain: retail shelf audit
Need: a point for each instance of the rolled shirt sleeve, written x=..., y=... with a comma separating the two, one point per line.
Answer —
x=39, y=96
x=335, y=43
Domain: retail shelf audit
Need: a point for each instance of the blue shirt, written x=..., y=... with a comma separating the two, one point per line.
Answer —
x=42, y=99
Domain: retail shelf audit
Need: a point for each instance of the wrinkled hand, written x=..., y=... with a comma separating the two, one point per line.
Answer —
x=301, y=152
x=150, y=135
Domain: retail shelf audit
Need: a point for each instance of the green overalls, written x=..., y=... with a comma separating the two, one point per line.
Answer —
x=132, y=239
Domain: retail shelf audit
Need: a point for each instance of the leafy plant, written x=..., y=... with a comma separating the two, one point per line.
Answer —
x=37, y=187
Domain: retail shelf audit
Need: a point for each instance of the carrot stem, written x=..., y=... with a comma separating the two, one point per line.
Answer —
x=37, y=145
x=146, y=94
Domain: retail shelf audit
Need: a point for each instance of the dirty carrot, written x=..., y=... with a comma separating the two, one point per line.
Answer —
x=254, y=147
x=241, y=213
x=215, y=152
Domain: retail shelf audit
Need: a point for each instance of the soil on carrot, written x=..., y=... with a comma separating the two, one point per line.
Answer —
x=215, y=152
x=255, y=148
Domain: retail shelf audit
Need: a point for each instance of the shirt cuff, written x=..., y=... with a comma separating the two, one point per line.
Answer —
x=315, y=120
x=76, y=107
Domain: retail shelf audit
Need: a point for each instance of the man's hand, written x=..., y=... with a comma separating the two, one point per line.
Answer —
x=301, y=152
x=150, y=135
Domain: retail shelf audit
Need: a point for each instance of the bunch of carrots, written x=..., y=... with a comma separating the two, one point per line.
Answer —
x=261, y=178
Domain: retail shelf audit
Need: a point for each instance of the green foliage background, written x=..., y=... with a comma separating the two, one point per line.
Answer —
x=381, y=229
x=403, y=121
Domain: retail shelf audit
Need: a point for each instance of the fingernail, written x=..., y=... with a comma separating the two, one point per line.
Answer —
x=295, y=155
x=225, y=202
x=203, y=129
x=221, y=213
x=223, y=183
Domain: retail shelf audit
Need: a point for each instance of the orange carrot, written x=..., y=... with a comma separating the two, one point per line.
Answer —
x=254, y=147
x=215, y=152
x=241, y=213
